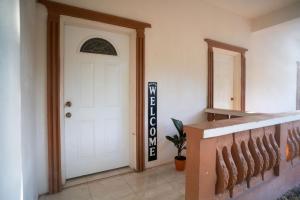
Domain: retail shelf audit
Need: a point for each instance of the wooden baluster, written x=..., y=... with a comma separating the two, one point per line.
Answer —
x=290, y=148
x=231, y=168
x=295, y=148
x=296, y=145
x=297, y=140
x=276, y=148
x=249, y=160
x=256, y=155
x=222, y=174
x=264, y=154
x=298, y=131
x=238, y=158
x=269, y=148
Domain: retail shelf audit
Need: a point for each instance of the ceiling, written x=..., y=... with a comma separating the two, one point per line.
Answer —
x=251, y=8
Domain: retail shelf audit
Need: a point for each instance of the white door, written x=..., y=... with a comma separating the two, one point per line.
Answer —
x=97, y=87
x=223, y=81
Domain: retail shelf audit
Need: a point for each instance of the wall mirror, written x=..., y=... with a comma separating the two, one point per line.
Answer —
x=226, y=76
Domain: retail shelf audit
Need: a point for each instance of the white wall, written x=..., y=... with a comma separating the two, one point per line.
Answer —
x=272, y=69
x=276, y=17
x=17, y=100
x=41, y=98
x=10, y=104
x=28, y=95
x=176, y=57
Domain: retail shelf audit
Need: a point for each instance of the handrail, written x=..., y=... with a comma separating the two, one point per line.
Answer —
x=254, y=153
x=214, y=114
x=223, y=127
x=228, y=112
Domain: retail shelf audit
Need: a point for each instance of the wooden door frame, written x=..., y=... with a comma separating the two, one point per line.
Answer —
x=210, y=78
x=55, y=10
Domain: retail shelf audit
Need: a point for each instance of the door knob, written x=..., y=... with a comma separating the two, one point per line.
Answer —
x=68, y=104
x=68, y=115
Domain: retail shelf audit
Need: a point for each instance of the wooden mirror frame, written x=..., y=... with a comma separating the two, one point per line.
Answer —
x=210, y=84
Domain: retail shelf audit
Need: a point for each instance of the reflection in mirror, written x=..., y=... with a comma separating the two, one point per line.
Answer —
x=227, y=79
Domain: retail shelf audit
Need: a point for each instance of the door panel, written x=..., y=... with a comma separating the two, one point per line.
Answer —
x=223, y=81
x=86, y=139
x=87, y=83
x=112, y=85
x=97, y=133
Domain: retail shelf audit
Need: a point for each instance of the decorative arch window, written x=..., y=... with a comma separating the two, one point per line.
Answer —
x=98, y=46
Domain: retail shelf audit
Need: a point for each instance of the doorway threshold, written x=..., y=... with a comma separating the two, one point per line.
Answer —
x=97, y=176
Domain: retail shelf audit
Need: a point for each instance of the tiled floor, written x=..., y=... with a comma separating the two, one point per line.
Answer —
x=160, y=183
x=98, y=176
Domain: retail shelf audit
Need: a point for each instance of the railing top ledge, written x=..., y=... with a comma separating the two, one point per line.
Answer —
x=228, y=112
x=224, y=127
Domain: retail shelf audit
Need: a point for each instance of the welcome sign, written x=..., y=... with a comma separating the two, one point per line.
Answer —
x=152, y=121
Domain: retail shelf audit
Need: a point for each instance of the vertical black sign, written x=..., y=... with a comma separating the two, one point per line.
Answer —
x=152, y=121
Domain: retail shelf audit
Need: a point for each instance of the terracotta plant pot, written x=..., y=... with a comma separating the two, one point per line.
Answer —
x=180, y=163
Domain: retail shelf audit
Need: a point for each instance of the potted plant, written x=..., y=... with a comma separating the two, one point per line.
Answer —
x=179, y=141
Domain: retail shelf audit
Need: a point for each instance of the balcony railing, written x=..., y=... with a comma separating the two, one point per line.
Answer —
x=250, y=157
x=214, y=114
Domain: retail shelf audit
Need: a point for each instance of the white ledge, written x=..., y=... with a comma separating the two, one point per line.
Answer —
x=228, y=112
x=229, y=126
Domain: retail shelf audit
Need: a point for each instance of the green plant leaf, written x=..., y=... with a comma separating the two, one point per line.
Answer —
x=179, y=125
x=170, y=138
x=178, y=139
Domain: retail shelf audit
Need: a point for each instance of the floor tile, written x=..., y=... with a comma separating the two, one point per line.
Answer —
x=164, y=191
x=80, y=192
x=98, y=176
x=159, y=183
x=111, y=188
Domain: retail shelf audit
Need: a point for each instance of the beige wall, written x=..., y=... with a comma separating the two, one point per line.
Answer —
x=276, y=17
x=272, y=70
x=41, y=107
x=11, y=186
x=176, y=57
x=17, y=100
x=28, y=98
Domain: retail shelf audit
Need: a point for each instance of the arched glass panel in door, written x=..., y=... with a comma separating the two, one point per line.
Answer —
x=98, y=46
